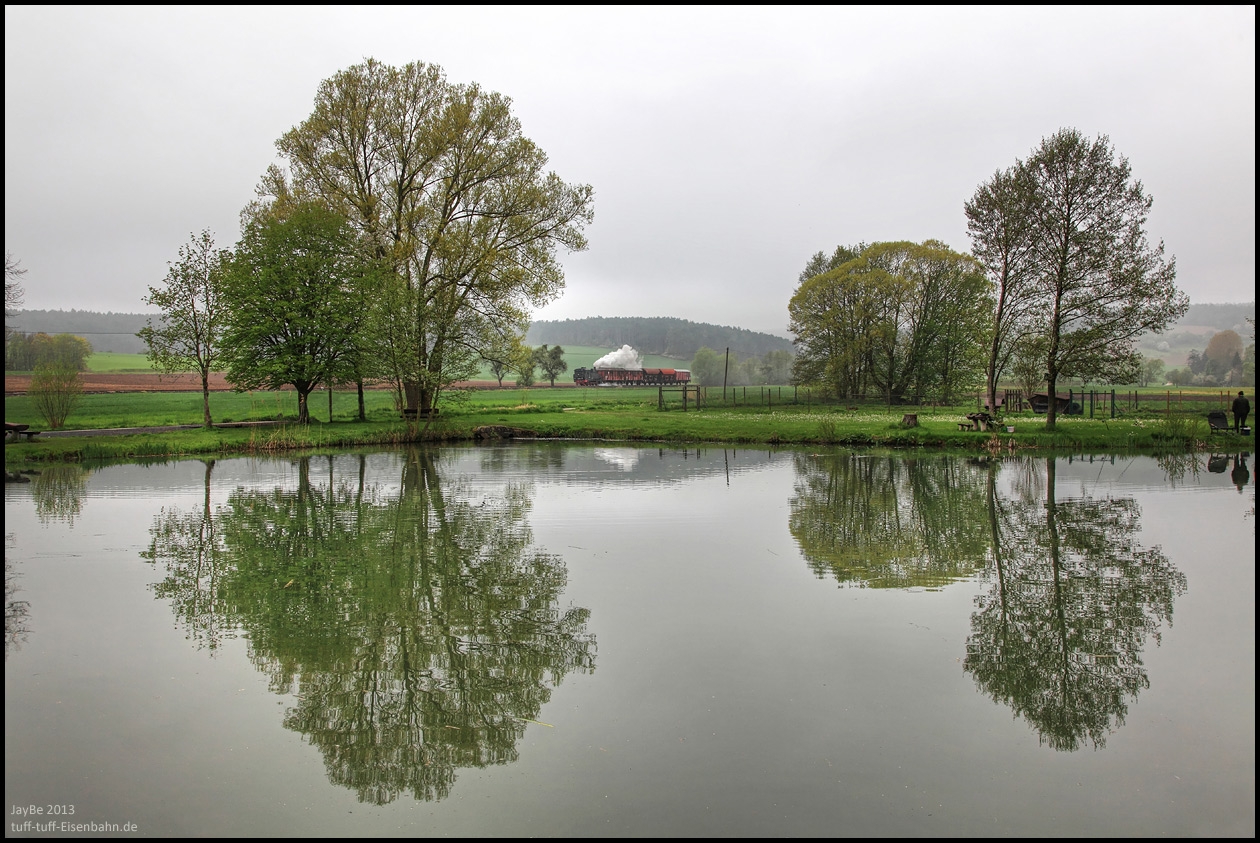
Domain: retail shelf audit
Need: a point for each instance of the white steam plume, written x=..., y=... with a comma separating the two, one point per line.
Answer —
x=623, y=358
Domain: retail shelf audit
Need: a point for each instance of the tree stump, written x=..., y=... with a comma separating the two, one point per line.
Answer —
x=910, y=420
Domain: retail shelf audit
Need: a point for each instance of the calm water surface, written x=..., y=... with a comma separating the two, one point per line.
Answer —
x=547, y=639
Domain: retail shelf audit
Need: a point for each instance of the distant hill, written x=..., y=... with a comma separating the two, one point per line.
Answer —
x=105, y=331
x=1219, y=317
x=664, y=335
x=1194, y=330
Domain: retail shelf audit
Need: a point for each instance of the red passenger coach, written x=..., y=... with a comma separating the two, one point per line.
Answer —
x=630, y=377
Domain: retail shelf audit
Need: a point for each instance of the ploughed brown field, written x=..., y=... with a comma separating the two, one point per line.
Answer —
x=142, y=382
x=123, y=382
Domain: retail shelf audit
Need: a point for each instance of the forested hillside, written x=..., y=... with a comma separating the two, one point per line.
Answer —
x=105, y=331
x=664, y=335
x=1222, y=317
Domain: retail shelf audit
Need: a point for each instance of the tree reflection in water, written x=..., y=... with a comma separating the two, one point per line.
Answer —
x=58, y=490
x=420, y=632
x=1072, y=598
x=887, y=521
x=16, y=611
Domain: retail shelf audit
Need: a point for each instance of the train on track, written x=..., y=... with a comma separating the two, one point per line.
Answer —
x=631, y=377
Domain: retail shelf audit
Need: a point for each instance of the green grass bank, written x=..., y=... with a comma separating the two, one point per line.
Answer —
x=767, y=416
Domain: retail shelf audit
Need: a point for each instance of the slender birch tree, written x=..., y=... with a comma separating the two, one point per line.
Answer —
x=188, y=334
x=999, y=223
x=1102, y=283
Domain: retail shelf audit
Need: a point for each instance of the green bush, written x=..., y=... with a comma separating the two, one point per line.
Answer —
x=55, y=390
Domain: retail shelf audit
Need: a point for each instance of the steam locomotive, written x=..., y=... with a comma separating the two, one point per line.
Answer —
x=630, y=377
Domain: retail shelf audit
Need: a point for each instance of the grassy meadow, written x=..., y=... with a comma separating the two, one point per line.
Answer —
x=768, y=416
x=110, y=361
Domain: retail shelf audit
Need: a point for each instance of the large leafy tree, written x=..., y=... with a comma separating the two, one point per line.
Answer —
x=708, y=367
x=776, y=367
x=296, y=290
x=1100, y=284
x=1224, y=353
x=838, y=318
x=551, y=361
x=903, y=318
x=189, y=333
x=438, y=177
x=936, y=322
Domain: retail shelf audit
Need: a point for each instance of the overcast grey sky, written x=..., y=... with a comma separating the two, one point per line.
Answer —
x=725, y=146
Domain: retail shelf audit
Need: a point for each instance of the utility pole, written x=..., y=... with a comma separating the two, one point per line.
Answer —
x=725, y=369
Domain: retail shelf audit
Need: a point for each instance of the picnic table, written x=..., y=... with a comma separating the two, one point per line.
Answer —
x=17, y=431
x=978, y=421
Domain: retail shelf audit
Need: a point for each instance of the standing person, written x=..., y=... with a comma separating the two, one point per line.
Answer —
x=1241, y=408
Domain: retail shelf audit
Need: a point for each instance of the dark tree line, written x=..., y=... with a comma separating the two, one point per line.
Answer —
x=114, y=332
x=664, y=335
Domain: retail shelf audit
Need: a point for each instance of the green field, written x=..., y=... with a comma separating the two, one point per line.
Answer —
x=761, y=416
x=109, y=361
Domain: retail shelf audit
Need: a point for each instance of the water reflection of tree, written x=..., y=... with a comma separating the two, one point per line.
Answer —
x=1073, y=597
x=1179, y=466
x=58, y=490
x=890, y=522
x=1059, y=635
x=186, y=542
x=419, y=631
x=16, y=611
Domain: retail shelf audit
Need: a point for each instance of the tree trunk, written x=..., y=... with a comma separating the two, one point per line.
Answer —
x=362, y=406
x=304, y=411
x=419, y=400
x=1052, y=368
x=992, y=379
x=1052, y=399
x=205, y=398
x=411, y=398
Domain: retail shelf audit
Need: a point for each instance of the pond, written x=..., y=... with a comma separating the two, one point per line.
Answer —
x=594, y=639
